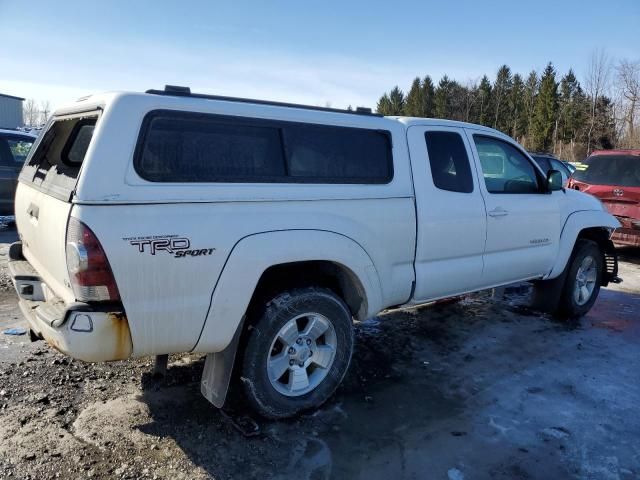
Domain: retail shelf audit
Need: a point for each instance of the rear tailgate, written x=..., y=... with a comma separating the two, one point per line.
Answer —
x=42, y=223
x=622, y=202
x=43, y=197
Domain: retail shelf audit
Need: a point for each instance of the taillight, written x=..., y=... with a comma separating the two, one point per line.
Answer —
x=89, y=270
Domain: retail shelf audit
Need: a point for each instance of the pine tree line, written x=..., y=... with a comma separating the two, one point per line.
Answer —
x=539, y=111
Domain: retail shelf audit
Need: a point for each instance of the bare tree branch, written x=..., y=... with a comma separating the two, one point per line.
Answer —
x=597, y=84
x=628, y=84
x=45, y=111
x=30, y=113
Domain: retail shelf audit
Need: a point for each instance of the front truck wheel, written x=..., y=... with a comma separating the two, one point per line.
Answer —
x=297, y=352
x=573, y=293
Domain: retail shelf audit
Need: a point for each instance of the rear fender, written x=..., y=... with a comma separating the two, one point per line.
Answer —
x=254, y=254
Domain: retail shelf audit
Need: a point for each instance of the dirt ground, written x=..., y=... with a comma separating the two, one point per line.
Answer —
x=481, y=388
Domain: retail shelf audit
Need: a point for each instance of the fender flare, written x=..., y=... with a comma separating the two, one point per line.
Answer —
x=254, y=254
x=575, y=223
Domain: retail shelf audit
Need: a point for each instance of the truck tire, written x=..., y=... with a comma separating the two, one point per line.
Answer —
x=297, y=352
x=582, y=282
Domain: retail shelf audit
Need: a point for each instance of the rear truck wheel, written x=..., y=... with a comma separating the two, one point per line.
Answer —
x=573, y=293
x=297, y=352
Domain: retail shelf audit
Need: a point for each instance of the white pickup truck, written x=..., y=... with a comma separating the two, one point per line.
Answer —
x=255, y=232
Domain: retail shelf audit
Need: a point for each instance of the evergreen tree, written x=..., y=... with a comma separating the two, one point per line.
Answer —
x=501, y=92
x=572, y=114
x=530, y=93
x=428, y=96
x=484, y=102
x=539, y=112
x=517, y=112
x=396, y=101
x=384, y=105
x=442, y=102
x=457, y=101
x=414, y=104
x=544, y=119
x=571, y=107
x=604, y=129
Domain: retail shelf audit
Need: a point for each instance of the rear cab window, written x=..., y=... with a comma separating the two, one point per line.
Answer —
x=450, y=168
x=203, y=148
x=54, y=164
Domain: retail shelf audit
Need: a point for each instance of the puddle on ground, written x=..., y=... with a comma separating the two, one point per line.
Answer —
x=616, y=311
x=377, y=433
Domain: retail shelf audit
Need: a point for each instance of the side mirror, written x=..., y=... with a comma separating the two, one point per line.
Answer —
x=554, y=181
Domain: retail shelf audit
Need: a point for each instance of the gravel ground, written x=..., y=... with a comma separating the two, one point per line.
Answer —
x=480, y=388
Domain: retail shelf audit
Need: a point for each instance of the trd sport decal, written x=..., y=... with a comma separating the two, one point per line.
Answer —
x=174, y=245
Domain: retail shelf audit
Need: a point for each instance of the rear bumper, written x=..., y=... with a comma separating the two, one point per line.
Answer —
x=626, y=236
x=87, y=332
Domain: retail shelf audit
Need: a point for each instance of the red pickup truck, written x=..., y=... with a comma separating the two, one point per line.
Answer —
x=614, y=177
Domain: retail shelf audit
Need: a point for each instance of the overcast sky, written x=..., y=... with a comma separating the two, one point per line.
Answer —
x=337, y=52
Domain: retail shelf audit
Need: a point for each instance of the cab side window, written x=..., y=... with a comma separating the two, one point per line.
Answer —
x=504, y=167
x=449, y=162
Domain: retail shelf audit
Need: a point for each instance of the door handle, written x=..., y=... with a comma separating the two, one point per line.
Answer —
x=498, y=212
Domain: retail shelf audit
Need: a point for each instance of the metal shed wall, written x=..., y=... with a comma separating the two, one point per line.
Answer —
x=10, y=111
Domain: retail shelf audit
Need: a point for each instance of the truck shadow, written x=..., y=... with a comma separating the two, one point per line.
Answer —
x=629, y=254
x=406, y=381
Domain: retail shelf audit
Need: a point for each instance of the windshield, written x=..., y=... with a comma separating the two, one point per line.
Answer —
x=621, y=170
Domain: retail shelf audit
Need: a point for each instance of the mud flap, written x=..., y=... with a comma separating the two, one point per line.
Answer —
x=218, y=368
x=546, y=293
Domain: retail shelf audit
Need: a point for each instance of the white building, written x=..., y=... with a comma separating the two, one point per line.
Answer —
x=10, y=111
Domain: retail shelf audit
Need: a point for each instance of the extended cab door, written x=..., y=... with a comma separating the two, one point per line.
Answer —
x=450, y=213
x=523, y=218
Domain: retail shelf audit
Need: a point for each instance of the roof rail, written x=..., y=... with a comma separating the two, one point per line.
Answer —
x=546, y=154
x=179, y=91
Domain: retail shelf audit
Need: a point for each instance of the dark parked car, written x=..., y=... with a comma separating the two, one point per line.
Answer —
x=14, y=148
x=547, y=162
x=572, y=168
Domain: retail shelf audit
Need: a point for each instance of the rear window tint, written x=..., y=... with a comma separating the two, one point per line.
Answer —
x=449, y=162
x=337, y=154
x=192, y=147
x=199, y=150
x=53, y=166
